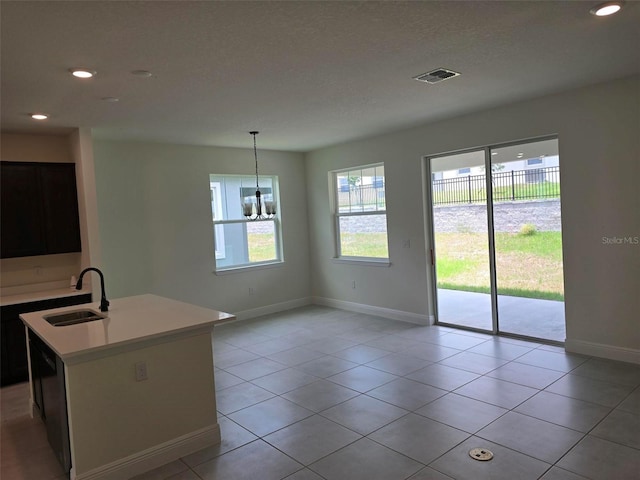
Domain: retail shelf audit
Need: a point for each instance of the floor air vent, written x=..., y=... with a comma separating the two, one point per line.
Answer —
x=436, y=76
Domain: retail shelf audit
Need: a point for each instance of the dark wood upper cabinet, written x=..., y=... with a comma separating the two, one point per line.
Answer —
x=39, y=209
x=21, y=232
x=59, y=192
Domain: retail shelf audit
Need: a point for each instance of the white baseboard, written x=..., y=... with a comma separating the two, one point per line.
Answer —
x=377, y=311
x=274, y=308
x=611, y=352
x=340, y=304
x=153, y=457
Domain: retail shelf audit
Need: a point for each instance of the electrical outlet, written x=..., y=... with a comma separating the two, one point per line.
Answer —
x=251, y=291
x=141, y=371
x=353, y=284
x=406, y=244
x=38, y=270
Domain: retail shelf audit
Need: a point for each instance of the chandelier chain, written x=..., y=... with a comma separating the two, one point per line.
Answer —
x=255, y=155
x=259, y=209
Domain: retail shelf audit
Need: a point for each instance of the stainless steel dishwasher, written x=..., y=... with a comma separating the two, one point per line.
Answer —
x=47, y=372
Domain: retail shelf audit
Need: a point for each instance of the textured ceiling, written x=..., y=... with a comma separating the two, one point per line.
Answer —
x=307, y=74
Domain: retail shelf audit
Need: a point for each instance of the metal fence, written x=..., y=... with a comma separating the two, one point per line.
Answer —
x=361, y=197
x=512, y=185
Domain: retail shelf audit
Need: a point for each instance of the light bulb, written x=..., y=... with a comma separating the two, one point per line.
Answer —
x=605, y=9
x=82, y=73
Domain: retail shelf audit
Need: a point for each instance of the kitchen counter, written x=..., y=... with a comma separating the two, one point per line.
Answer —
x=121, y=422
x=46, y=294
x=129, y=320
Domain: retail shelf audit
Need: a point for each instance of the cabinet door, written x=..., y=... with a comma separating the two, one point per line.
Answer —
x=17, y=354
x=14, y=351
x=5, y=371
x=22, y=214
x=14, y=347
x=60, y=199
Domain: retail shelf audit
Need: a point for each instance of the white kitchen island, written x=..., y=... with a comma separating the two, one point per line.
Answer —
x=120, y=426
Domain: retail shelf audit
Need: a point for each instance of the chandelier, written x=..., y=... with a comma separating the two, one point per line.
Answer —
x=256, y=209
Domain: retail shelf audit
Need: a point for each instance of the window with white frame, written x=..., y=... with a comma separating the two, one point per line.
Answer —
x=238, y=241
x=360, y=213
x=216, y=209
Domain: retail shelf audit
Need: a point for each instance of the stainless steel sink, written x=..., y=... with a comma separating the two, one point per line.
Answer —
x=73, y=318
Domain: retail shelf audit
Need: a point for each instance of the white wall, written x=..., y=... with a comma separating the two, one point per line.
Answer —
x=122, y=197
x=599, y=143
x=24, y=147
x=82, y=152
x=156, y=226
x=155, y=219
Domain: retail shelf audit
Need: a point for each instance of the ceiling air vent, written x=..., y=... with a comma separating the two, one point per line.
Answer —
x=436, y=76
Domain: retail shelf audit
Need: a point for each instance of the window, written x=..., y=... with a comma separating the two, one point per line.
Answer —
x=534, y=161
x=462, y=171
x=360, y=210
x=216, y=209
x=239, y=242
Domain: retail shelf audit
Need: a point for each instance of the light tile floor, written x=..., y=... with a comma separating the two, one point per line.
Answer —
x=317, y=393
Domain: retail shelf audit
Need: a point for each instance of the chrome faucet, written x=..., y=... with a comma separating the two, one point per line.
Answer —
x=104, y=303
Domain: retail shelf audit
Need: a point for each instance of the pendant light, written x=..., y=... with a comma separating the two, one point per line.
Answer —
x=258, y=209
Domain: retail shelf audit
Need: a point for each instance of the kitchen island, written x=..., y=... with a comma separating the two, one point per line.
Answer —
x=139, y=384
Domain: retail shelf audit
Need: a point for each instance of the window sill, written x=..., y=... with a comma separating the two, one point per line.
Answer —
x=245, y=268
x=368, y=262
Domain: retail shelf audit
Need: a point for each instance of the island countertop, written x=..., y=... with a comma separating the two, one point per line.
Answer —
x=130, y=320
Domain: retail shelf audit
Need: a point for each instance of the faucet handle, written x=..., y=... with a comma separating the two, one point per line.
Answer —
x=104, y=305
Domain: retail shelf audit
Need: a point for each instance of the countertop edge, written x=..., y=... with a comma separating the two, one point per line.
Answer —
x=81, y=350
x=88, y=355
x=29, y=297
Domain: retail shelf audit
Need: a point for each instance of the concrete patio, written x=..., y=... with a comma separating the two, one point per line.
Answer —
x=530, y=317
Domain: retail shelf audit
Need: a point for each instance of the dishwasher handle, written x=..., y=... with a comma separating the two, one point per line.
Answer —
x=48, y=360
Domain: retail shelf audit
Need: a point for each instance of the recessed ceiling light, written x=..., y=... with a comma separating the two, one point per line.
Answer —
x=39, y=116
x=111, y=99
x=608, y=8
x=141, y=73
x=82, y=72
x=520, y=155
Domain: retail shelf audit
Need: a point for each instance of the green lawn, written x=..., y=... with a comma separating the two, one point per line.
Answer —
x=526, y=266
x=541, y=244
x=261, y=247
x=364, y=245
x=527, y=191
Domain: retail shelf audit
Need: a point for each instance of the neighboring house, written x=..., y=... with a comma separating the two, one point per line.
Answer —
x=514, y=165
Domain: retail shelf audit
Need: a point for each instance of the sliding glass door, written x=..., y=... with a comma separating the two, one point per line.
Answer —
x=461, y=240
x=497, y=245
x=528, y=239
